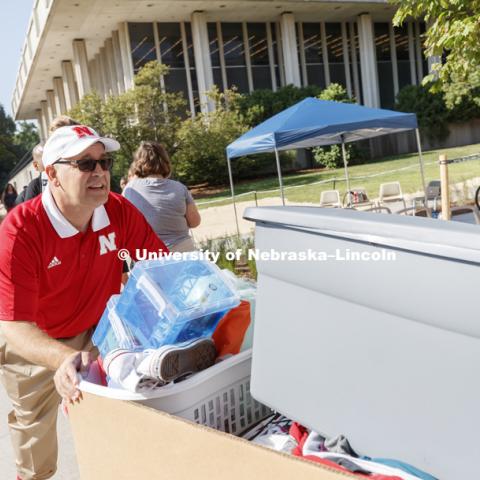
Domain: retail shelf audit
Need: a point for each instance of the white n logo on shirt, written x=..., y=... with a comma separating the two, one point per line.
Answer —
x=107, y=244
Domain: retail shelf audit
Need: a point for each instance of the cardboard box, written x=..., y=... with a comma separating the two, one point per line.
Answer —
x=123, y=440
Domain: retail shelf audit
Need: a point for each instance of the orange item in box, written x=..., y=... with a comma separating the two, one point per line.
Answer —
x=229, y=334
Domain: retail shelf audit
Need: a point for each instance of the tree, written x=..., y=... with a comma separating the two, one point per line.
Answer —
x=200, y=156
x=10, y=153
x=26, y=135
x=146, y=112
x=453, y=28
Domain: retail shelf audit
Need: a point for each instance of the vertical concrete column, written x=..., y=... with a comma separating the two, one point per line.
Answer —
x=41, y=125
x=278, y=37
x=411, y=54
x=117, y=58
x=80, y=65
x=290, y=50
x=368, y=61
x=69, y=87
x=100, y=80
x=221, y=53
x=191, y=100
x=59, y=95
x=326, y=68
x=45, y=115
x=203, y=64
x=346, y=59
x=393, y=54
x=126, y=55
x=271, y=57
x=419, y=53
x=92, y=68
x=52, y=111
x=104, y=71
x=301, y=49
x=248, y=61
x=356, y=80
x=112, y=71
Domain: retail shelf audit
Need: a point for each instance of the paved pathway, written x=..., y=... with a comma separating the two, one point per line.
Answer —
x=67, y=467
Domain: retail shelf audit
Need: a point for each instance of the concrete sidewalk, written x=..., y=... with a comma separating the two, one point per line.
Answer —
x=67, y=464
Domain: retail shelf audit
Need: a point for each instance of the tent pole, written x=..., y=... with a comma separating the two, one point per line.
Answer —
x=279, y=175
x=420, y=158
x=233, y=195
x=347, y=179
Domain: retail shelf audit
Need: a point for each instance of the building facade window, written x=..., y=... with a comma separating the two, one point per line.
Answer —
x=234, y=55
x=335, y=53
x=403, y=57
x=421, y=40
x=259, y=55
x=190, y=60
x=314, y=62
x=249, y=55
x=172, y=54
x=142, y=44
x=355, y=61
x=215, y=54
x=277, y=55
x=384, y=65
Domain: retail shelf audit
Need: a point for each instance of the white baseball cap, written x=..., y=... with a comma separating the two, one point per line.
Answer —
x=67, y=142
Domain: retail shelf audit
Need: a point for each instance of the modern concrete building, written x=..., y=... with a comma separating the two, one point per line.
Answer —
x=74, y=46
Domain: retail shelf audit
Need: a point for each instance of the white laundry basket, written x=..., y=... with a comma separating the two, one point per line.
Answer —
x=218, y=397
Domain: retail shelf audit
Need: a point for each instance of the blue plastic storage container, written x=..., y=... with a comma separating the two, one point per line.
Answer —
x=168, y=301
x=112, y=332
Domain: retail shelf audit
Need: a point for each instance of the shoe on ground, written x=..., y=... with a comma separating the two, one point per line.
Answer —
x=174, y=361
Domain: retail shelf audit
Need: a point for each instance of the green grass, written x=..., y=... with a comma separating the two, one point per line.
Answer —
x=308, y=192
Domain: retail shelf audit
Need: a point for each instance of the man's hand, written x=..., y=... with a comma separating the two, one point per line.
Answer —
x=66, y=379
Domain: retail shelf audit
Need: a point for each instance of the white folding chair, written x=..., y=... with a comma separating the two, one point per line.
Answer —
x=391, y=192
x=330, y=198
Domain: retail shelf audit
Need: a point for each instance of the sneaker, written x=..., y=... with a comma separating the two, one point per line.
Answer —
x=174, y=361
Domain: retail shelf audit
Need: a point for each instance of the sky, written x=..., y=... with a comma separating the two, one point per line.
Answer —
x=15, y=16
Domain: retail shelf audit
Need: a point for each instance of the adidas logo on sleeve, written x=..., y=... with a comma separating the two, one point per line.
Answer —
x=54, y=262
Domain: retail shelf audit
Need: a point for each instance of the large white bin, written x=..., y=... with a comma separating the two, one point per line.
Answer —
x=385, y=352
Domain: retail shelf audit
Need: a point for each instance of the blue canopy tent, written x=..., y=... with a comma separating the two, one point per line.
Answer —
x=313, y=122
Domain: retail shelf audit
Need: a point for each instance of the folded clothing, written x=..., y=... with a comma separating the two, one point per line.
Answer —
x=230, y=331
x=281, y=434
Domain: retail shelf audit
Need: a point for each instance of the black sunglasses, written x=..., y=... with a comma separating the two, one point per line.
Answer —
x=89, y=164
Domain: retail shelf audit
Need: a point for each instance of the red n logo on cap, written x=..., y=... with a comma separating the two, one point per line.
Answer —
x=82, y=131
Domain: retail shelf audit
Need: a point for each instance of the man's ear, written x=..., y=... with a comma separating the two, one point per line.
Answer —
x=52, y=175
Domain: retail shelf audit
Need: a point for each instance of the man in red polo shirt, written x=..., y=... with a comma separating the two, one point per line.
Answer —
x=58, y=268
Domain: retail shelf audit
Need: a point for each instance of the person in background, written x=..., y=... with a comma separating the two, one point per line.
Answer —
x=9, y=196
x=123, y=182
x=35, y=187
x=167, y=204
x=61, y=121
x=38, y=184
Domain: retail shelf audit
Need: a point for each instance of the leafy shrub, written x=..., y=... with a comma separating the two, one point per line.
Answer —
x=201, y=155
x=259, y=105
x=143, y=113
x=432, y=112
x=331, y=156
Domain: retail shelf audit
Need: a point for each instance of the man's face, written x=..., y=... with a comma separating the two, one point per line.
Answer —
x=81, y=189
x=37, y=161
